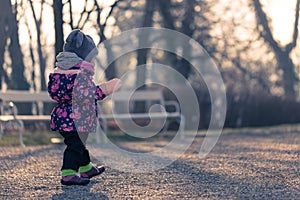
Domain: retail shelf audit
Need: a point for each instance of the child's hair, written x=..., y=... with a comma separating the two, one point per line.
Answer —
x=81, y=44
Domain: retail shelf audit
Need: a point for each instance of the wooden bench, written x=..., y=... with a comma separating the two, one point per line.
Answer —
x=9, y=116
x=149, y=97
x=9, y=113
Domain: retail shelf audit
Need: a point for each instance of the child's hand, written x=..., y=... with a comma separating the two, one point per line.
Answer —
x=110, y=86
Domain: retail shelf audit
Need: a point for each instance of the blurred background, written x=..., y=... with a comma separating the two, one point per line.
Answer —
x=254, y=43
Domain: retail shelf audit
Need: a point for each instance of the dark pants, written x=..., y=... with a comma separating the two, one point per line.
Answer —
x=75, y=154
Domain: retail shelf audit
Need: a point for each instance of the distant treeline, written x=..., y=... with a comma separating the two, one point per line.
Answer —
x=257, y=109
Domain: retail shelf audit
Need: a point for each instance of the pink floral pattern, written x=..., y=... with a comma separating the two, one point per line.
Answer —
x=76, y=96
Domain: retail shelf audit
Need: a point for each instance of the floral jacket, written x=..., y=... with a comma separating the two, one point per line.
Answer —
x=76, y=95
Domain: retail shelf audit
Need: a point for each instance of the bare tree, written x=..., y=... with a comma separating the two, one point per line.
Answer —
x=142, y=53
x=58, y=23
x=282, y=53
x=4, y=18
x=111, y=71
x=83, y=19
x=42, y=60
x=17, y=79
x=9, y=32
x=192, y=22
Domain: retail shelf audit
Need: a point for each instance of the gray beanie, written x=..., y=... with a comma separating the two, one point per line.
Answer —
x=81, y=44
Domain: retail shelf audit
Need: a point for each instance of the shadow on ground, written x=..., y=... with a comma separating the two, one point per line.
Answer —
x=79, y=192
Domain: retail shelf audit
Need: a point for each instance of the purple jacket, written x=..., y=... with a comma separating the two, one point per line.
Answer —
x=76, y=95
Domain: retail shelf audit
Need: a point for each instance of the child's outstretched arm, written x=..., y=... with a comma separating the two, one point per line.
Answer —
x=110, y=86
x=85, y=90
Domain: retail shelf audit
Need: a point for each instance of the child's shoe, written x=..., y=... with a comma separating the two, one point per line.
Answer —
x=95, y=171
x=74, y=180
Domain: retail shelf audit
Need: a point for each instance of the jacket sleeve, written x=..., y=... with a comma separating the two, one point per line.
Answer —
x=99, y=95
x=85, y=90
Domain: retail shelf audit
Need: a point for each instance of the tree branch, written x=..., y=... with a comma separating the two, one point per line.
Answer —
x=102, y=26
x=71, y=14
x=263, y=21
x=111, y=10
x=31, y=53
x=81, y=14
x=293, y=44
x=86, y=19
x=167, y=16
x=33, y=13
x=41, y=11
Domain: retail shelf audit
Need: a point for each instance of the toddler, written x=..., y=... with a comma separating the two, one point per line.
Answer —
x=75, y=114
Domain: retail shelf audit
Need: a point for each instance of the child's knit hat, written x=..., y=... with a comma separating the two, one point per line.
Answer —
x=81, y=44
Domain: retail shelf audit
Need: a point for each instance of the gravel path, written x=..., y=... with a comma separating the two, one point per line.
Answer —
x=241, y=166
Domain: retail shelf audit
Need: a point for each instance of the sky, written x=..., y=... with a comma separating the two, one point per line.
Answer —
x=281, y=13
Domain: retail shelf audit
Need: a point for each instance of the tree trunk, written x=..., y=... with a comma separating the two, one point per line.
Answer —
x=110, y=71
x=289, y=78
x=180, y=64
x=4, y=12
x=143, y=53
x=58, y=23
x=283, y=54
x=183, y=66
x=42, y=66
x=42, y=60
x=18, y=80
